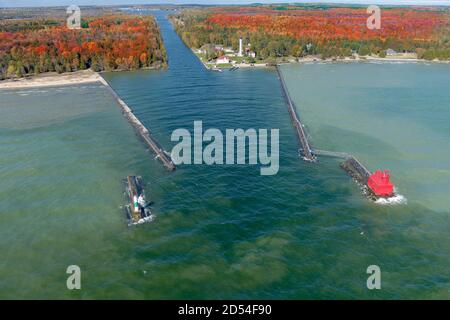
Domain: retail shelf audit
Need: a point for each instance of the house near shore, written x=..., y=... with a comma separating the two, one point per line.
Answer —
x=251, y=54
x=391, y=52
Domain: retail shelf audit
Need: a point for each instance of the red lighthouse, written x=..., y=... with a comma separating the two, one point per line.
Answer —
x=380, y=183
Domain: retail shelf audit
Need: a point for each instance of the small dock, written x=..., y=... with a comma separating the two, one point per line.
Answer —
x=143, y=132
x=307, y=153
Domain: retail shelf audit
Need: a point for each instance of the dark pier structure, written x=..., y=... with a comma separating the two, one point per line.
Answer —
x=377, y=185
x=350, y=164
x=307, y=153
x=142, y=131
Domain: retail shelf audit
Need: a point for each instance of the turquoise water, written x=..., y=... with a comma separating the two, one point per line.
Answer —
x=60, y=187
x=390, y=115
x=220, y=231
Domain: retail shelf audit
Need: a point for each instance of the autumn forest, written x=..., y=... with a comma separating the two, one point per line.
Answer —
x=109, y=42
x=325, y=31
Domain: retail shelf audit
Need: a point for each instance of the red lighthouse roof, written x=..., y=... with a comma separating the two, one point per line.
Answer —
x=380, y=183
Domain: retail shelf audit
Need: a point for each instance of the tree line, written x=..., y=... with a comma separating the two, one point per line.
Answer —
x=113, y=42
x=328, y=33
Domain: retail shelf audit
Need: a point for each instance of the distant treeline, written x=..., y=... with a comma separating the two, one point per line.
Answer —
x=113, y=42
x=296, y=31
x=60, y=12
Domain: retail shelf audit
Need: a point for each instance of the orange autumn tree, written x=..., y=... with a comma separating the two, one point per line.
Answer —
x=309, y=30
x=118, y=42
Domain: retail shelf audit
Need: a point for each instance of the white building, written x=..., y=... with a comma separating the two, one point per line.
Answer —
x=222, y=59
x=391, y=52
x=240, y=48
x=251, y=54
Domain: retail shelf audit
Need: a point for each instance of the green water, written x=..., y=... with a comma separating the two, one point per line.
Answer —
x=220, y=231
x=60, y=167
x=390, y=115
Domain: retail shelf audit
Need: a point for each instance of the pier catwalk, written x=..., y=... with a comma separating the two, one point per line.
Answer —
x=308, y=155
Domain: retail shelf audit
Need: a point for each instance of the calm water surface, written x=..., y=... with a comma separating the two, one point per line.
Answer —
x=390, y=115
x=221, y=231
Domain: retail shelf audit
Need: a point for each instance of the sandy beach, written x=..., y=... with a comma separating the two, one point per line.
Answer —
x=52, y=79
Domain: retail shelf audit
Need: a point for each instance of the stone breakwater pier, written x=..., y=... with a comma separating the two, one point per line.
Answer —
x=375, y=184
x=141, y=130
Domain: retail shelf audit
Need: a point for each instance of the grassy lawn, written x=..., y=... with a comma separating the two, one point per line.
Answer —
x=224, y=65
x=201, y=56
x=238, y=59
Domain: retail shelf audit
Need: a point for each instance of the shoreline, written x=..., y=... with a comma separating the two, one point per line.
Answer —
x=313, y=59
x=52, y=79
x=366, y=59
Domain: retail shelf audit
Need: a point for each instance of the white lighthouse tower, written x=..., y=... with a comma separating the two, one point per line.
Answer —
x=240, y=48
